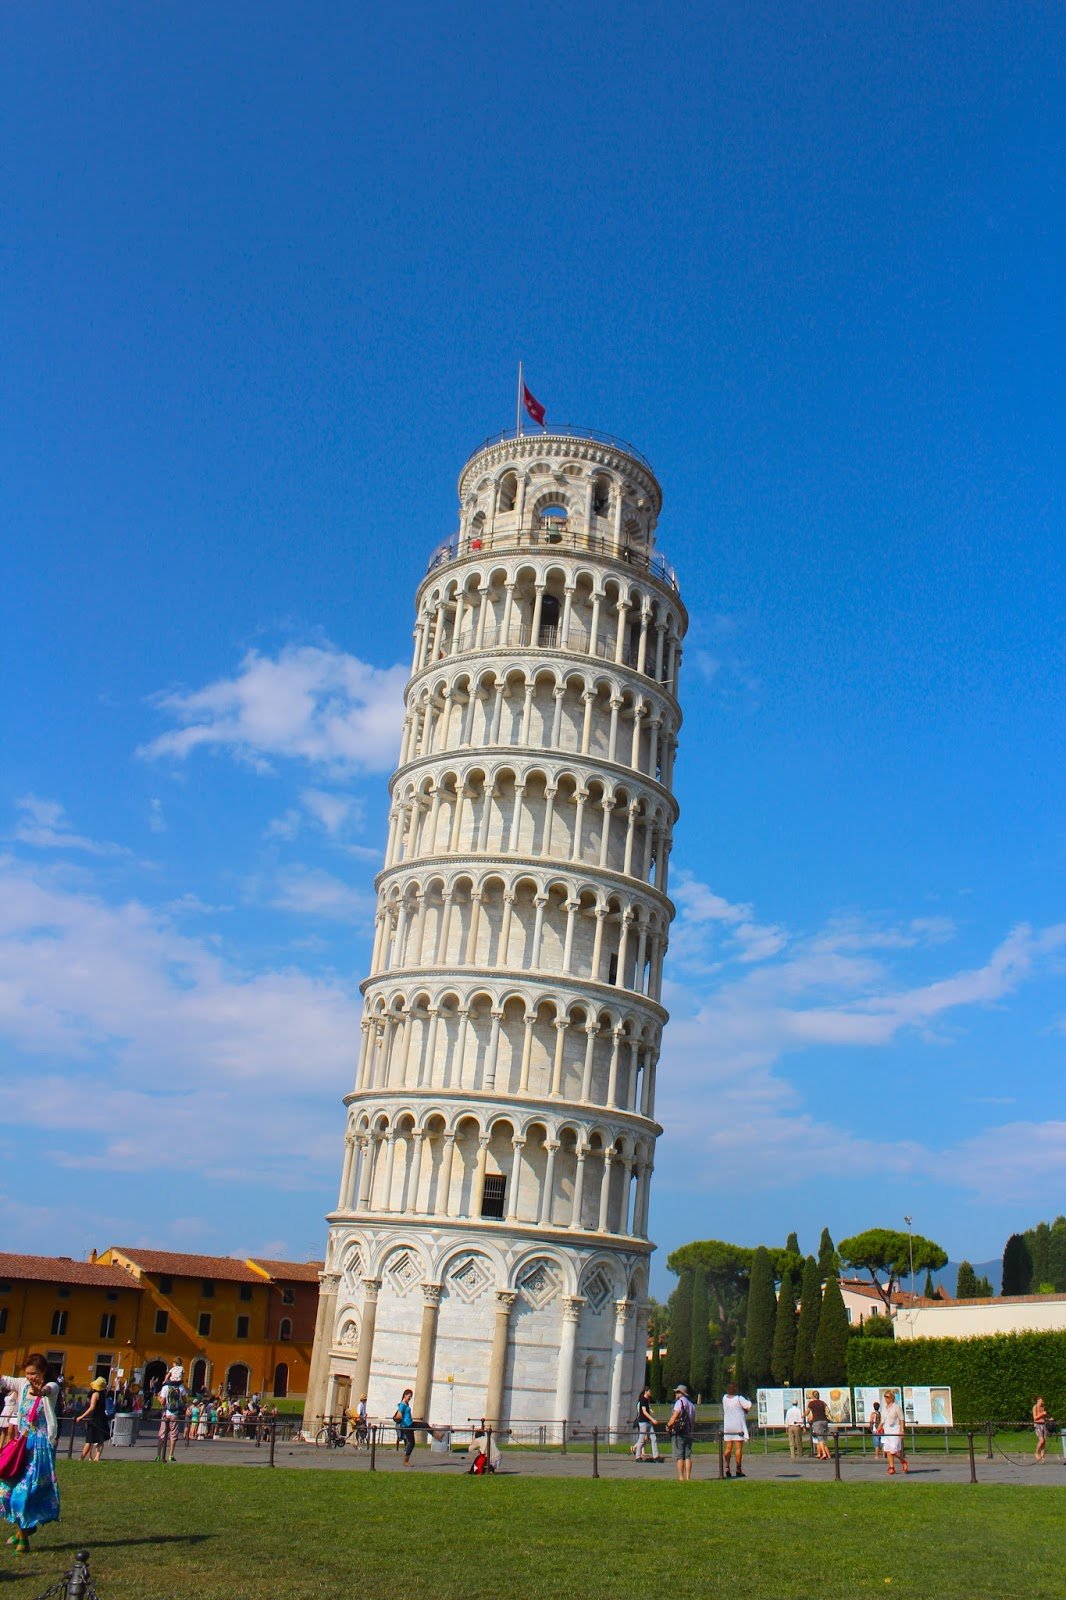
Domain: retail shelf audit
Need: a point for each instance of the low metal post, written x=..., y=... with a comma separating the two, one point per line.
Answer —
x=595, y=1452
x=373, y=1447
x=273, y=1438
x=991, y=1427
x=973, y=1464
x=564, y=1437
x=79, y=1583
x=836, y=1455
x=70, y=1441
x=721, y=1454
x=488, y=1451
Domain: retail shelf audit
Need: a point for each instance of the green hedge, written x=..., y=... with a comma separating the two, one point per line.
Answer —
x=993, y=1378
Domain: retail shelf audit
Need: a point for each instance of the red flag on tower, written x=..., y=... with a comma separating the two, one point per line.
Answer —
x=533, y=406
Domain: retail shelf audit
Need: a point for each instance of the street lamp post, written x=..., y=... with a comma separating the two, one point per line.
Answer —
x=910, y=1246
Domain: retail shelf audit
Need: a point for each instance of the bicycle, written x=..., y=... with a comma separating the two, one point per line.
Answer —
x=330, y=1436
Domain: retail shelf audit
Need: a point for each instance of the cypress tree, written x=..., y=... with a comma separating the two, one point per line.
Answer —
x=699, y=1379
x=679, y=1345
x=828, y=1260
x=809, y=1317
x=762, y=1313
x=792, y=1244
x=1056, y=1255
x=966, y=1282
x=930, y=1287
x=1017, y=1266
x=783, y=1359
x=831, y=1344
x=983, y=1289
x=1039, y=1240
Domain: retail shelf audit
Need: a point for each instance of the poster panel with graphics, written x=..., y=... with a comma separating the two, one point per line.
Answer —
x=773, y=1403
x=866, y=1398
x=837, y=1401
x=927, y=1407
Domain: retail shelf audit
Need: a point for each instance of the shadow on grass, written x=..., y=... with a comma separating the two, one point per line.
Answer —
x=124, y=1544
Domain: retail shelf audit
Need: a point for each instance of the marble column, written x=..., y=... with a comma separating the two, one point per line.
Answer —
x=623, y=1311
x=361, y=1381
x=505, y=1299
x=427, y=1350
x=564, y=1392
x=318, y=1377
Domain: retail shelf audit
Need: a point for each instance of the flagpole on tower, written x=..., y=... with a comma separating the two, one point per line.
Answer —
x=518, y=405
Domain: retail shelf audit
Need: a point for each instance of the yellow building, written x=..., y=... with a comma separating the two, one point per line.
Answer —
x=85, y=1318
x=224, y=1319
x=240, y=1327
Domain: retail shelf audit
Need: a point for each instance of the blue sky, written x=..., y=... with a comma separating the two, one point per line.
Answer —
x=267, y=274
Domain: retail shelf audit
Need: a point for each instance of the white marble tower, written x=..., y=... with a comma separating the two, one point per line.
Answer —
x=489, y=1245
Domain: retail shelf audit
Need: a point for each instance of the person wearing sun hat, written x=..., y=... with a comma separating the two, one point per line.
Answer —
x=679, y=1427
x=97, y=1426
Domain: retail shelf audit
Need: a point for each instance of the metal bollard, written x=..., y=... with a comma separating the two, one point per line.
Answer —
x=70, y=1442
x=973, y=1464
x=79, y=1582
x=564, y=1437
x=373, y=1447
x=595, y=1452
x=488, y=1447
x=721, y=1454
x=836, y=1455
x=991, y=1427
x=273, y=1438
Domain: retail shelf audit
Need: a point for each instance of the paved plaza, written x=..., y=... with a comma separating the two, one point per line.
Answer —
x=929, y=1465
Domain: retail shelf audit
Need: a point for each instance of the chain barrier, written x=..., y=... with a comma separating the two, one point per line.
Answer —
x=77, y=1584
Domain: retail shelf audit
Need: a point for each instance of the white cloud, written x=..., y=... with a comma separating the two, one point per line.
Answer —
x=157, y=822
x=724, y=1092
x=44, y=824
x=702, y=912
x=311, y=892
x=309, y=703
x=336, y=813
x=127, y=1016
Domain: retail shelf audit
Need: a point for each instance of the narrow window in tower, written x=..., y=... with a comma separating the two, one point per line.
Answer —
x=612, y=971
x=492, y=1202
x=549, y=622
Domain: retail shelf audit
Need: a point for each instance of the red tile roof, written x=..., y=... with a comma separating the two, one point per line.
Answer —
x=61, y=1269
x=178, y=1265
x=290, y=1271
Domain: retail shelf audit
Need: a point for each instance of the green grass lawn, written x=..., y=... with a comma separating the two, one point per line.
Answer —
x=162, y=1533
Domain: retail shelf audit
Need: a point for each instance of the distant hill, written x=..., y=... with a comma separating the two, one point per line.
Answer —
x=992, y=1270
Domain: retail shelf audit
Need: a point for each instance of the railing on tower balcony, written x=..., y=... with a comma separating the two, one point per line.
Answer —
x=555, y=534
x=567, y=430
x=549, y=637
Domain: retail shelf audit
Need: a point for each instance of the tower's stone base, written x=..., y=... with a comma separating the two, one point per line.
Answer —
x=487, y=1323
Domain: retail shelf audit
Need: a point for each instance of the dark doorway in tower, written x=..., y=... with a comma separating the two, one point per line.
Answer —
x=281, y=1380
x=549, y=622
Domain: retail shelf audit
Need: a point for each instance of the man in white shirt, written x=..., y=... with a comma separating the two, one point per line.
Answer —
x=794, y=1429
x=735, y=1408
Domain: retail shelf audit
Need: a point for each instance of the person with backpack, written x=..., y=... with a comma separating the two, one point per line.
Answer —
x=172, y=1400
x=645, y=1424
x=405, y=1425
x=679, y=1426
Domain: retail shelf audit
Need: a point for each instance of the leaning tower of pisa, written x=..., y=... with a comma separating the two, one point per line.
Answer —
x=490, y=1246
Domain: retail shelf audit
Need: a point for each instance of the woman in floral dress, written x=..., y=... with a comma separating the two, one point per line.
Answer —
x=35, y=1497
